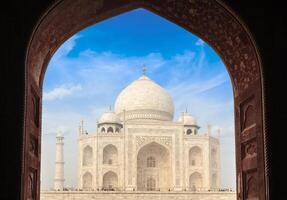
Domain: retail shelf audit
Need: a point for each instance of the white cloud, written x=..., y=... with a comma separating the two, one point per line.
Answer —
x=61, y=92
x=66, y=48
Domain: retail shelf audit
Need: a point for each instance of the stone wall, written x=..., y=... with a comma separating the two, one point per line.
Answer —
x=89, y=195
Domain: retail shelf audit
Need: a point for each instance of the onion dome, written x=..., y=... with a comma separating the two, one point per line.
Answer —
x=187, y=119
x=109, y=117
x=144, y=99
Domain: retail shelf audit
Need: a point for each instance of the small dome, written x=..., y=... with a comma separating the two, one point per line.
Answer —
x=187, y=119
x=109, y=117
x=144, y=99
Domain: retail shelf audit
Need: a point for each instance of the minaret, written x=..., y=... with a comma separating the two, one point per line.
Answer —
x=59, y=163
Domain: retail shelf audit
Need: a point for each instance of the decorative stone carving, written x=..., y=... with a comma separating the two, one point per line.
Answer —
x=251, y=150
x=247, y=116
x=33, y=148
x=251, y=185
x=163, y=140
x=35, y=107
x=32, y=184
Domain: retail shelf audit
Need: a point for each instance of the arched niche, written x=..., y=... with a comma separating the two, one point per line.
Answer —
x=154, y=158
x=87, y=156
x=214, y=158
x=195, y=156
x=110, y=155
x=110, y=130
x=87, y=181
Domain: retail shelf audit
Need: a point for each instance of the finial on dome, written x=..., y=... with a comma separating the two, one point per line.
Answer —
x=144, y=69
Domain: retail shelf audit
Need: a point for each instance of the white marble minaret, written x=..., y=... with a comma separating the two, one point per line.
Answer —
x=59, y=163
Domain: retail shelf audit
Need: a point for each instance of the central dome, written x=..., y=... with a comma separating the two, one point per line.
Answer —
x=144, y=99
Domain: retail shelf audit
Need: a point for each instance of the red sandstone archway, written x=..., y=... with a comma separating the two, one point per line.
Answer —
x=212, y=21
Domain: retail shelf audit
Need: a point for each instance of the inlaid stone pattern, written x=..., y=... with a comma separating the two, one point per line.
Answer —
x=164, y=140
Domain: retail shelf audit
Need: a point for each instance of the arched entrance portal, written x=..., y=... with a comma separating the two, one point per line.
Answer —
x=212, y=21
x=153, y=168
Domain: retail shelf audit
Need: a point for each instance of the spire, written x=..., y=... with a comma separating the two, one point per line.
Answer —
x=110, y=108
x=144, y=69
x=80, y=129
x=82, y=125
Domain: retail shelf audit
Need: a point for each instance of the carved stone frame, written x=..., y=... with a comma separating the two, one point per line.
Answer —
x=212, y=21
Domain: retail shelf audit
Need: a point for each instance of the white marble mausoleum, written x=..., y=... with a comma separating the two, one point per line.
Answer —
x=139, y=147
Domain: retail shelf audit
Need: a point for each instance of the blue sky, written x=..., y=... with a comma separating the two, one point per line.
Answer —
x=89, y=70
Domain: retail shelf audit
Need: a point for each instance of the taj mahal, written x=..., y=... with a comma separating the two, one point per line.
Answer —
x=138, y=150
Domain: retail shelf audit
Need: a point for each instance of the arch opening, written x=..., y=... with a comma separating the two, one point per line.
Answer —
x=110, y=155
x=154, y=168
x=195, y=156
x=87, y=156
x=245, y=85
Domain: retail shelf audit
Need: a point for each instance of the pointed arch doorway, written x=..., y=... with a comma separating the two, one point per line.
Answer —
x=212, y=21
x=154, y=168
